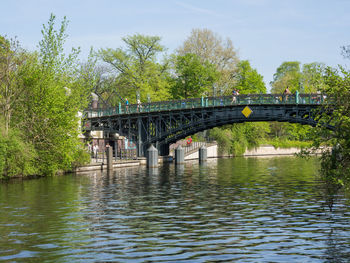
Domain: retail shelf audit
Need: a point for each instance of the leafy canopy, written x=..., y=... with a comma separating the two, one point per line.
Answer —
x=193, y=78
x=136, y=67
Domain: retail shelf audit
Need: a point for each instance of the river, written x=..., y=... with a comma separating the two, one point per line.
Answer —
x=227, y=210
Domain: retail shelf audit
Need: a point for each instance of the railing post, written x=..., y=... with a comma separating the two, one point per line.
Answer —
x=120, y=108
x=297, y=97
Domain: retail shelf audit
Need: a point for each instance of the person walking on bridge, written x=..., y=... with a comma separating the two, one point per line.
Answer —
x=126, y=105
x=234, y=94
x=139, y=106
x=286, y=93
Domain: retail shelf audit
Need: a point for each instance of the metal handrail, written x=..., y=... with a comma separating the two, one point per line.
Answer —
x=206, y=102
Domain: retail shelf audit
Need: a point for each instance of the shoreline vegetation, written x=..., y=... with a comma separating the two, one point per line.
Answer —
x=129, y=163
x=43, y=91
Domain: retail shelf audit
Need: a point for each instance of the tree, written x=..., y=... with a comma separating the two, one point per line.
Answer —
x=12, y=57
x=192, y=77
x=235, y=139
x=210, y=47
x=312, y=78
x=248, y=79
x=335, y=160
x=287, y=75
x=137, y=68
x=48, y=108
x=17, y=157
x=308, y=80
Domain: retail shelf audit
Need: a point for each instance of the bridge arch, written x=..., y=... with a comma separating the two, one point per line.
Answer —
x=193, y=121
x=165, y=125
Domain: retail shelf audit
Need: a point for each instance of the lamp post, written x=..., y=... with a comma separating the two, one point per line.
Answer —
x=137, y=95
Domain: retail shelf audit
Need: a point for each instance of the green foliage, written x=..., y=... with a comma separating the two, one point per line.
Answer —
x=12, y=59
x=248, y=79
x=312, y=78
x=137, y=69
x=285, y=143
x=50, y=90
x=287, y=75
x=51, y=54
x=50, y=103
x=223, y=137
x=192, y=77
x=335, y=160
x=209, y=46
x=235, y=139
x=290, y=131
x=17, y=157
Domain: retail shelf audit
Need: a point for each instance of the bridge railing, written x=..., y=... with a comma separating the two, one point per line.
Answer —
x=223, y=101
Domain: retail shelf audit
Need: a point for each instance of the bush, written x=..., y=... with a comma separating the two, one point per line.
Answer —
x=16, y=156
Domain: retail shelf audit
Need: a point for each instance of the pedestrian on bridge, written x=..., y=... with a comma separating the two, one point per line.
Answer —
x=234, y=96
x=286, y=93
x=126, y=105
x=139, y=106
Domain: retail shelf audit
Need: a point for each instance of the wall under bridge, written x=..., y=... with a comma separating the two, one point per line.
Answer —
x=264, y=150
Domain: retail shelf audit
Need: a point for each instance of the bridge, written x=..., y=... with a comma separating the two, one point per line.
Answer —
x=165, y=122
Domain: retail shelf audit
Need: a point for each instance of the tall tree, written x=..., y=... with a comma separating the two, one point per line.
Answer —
x=137, y=68
x=248, y=79
x=307, y=80
x=48, y=112
x=12, y=57
x=192, y=77
x=336, y=158
x=210, y=47
x=287, y=75
x=312, y=78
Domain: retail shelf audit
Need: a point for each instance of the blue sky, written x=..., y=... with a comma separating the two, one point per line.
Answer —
x=265, y=32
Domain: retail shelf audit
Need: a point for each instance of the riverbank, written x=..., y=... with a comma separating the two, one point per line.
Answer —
x=212, y=152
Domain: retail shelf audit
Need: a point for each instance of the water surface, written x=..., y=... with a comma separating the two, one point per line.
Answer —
x=228, y=210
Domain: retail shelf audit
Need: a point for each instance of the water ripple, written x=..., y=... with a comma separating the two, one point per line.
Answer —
x=241, y=210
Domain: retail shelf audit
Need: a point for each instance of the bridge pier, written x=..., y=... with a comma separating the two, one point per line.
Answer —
x=179, y=155
x=152, y=157
x=202, y=153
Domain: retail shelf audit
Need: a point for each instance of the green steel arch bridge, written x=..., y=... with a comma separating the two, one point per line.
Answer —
x=165, y=122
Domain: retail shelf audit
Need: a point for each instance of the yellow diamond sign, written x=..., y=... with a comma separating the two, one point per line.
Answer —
x=247, y=111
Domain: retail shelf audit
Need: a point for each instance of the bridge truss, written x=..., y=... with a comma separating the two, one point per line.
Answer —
x=164, y=123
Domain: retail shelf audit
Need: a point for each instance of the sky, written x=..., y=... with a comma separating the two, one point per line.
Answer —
x=265, y=32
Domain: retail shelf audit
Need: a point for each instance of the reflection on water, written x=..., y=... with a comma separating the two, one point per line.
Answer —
x=242, y=210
